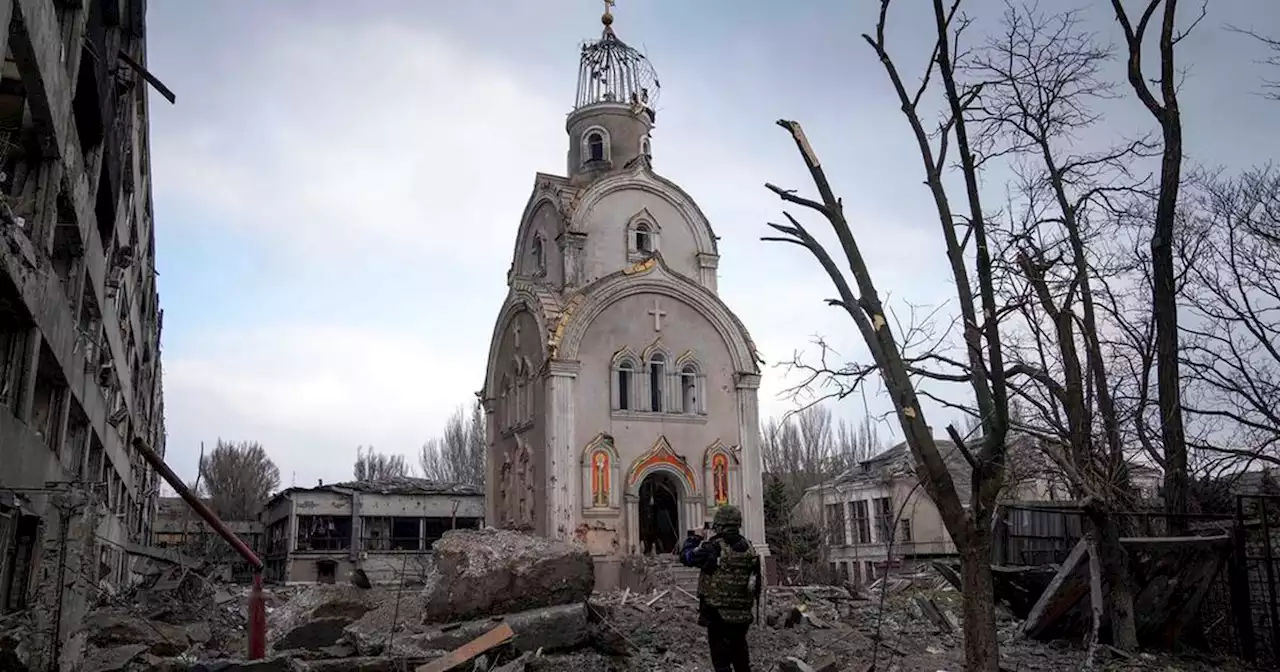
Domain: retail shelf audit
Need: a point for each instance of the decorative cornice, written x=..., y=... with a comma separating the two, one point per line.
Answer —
x=662, y=456
x=641, y=267
x=717, y=447
x=563, y=368
x=746, y=381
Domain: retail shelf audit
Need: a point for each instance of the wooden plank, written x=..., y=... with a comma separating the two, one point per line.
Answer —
x=1051, y=604
x=491, y=639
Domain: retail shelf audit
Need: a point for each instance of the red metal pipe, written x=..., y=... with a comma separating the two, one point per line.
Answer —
x=198, y=506
x=257, y=620
x=257, y=604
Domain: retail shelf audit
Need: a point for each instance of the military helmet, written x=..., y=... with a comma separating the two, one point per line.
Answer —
x=728, y=516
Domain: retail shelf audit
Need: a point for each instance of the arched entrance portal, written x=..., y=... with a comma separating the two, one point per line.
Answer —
x=659, y=513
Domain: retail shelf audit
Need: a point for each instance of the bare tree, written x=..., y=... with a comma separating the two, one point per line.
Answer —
x=238, y=478
x=458, y=455
x=1232, y=339
x=800, y=449
x=1040, y=78
x=969, y=524
x=858, y=442
x=1164, y=281
x=374, y=466
x=1270, y=87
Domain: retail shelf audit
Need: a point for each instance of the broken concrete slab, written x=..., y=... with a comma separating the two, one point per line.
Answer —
x=549, y=629
x=487, y=572
x=367, y=664
x=313, y=635
x=1172, y=576
x=271, y=664
x=338, y=602
x=115, y=658
x=490, y=639
x=199, y=632
x=108, y=630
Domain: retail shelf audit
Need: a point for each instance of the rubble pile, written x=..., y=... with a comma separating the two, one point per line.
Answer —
x=510, y=602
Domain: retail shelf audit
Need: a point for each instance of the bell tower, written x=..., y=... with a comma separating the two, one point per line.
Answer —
x=613, y=115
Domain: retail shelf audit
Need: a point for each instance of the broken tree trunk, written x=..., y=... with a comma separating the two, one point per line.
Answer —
x=1096, y=601
x=1113, y=563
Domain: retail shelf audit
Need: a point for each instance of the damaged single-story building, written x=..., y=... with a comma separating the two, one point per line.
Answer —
x=384, y=527
x=177, y=527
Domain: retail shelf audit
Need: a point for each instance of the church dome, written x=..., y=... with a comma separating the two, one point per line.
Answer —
x=610, y=71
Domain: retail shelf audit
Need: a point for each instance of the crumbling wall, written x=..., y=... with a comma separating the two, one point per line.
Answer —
x=66, y=578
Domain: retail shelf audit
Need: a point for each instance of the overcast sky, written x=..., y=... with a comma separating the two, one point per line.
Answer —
x=338, y=188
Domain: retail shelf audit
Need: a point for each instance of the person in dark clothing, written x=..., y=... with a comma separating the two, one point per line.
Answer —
x=728, y=587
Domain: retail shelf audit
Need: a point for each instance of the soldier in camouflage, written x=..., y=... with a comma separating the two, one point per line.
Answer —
x=728, y=587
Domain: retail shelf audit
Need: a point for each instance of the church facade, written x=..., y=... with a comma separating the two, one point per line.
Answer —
x=620, y=391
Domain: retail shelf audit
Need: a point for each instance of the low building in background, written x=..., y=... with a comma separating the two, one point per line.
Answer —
x=178, y=528
x=880, y=500
x=384, y=527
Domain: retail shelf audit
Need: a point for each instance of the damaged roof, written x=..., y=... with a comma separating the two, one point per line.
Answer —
x=394, y=485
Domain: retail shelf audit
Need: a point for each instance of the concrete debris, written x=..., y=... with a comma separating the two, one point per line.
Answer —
x=484, y=572
x=491, y=639
x=555, y=626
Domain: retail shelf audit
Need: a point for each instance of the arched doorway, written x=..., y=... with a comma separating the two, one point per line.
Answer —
x=659, y=513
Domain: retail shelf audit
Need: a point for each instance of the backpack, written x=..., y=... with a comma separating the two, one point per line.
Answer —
x=728, y=588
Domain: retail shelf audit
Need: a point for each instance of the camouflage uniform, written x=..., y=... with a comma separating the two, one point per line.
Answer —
x=726, y=595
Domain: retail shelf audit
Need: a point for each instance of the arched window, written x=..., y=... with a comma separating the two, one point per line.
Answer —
x=644, y=237
x=644, y=147
x=595, y=146
x=623, y=384
x=539, y=251
x=689, y=389
x=657, y=370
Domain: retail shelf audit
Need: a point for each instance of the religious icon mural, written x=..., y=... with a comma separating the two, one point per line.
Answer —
x=720, y=478
x=600, y=478
x=600, y=475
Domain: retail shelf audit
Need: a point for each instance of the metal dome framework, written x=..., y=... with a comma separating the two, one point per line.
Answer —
x=610, y=71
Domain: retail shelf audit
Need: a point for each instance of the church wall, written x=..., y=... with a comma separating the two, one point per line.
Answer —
x=545, y=224
x=606, y=249
x=628, y=324
x=525, y=423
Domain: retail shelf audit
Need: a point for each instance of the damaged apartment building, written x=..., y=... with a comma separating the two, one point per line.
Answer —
x=79, y=313
x=385, y=528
